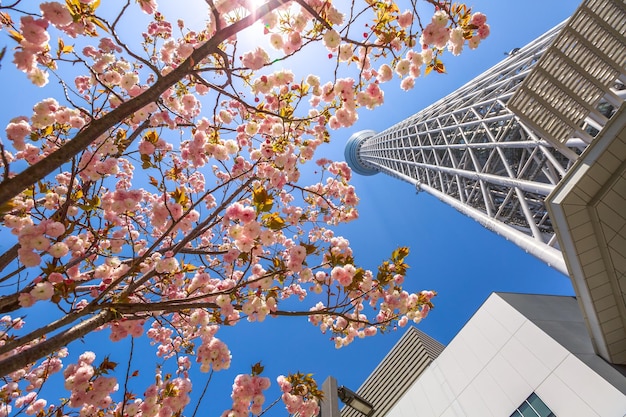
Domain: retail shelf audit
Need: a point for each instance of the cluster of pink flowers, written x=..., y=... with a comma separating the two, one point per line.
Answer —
x=45, y=114
x=256, y=59
x=148, y=6
x=480, y=21
x=33, y=48
x=166, y=397
x=37, y=238
x=301, y=405
x=296, y=21
x=87, y=387
x=33, y=44
x=247, y=395
x=339, y=191
x=26, y=397
x=340, y=325
x=124, y=328
x=343, y=274
x=31, y=403
x=212, y=353
x=237, y=246
x=200, y=150
x=244, y=229
x=438, y=34
x=257, y=308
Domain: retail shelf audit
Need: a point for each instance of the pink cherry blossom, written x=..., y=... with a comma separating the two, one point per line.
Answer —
x=385, y=73
x=148, y=6
x=402, y=67
x=407, y=83
x=38, y=77
x=256, y=59
x=478, y=19
x=405, y=19
x=483, y=31
x=332, y=39
x=58, y=250
x=42, y=291
x=25, y=60
x=187, y=205
x=16, y=131
x=34, y=30
x=56, y=13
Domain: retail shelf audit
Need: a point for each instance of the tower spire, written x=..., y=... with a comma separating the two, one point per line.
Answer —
x=473, y=152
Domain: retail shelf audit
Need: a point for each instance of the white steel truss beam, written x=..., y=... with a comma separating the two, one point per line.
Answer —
x=473, y=152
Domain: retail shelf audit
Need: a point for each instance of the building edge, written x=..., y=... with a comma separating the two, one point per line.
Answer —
x=514, y=346
x=397, y=371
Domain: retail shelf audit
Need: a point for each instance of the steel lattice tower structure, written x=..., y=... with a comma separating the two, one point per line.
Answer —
x=473, y=152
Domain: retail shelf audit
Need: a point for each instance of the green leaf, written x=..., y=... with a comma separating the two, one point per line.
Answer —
x=7, y=207
x=146, y=162
x=262, y=200
x=179, y=196
x=107, y=365
x=152, y=137
x=98, y=23
x=273, y=221
x=310, y=248
x=400, y=253
x=257, y=369
x=16, y=36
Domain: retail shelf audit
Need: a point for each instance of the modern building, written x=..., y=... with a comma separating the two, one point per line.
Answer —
x=395, y=374
x=398, y=371
x=534, y=149
x=519, y=355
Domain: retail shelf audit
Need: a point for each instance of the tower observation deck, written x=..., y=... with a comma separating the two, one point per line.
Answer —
x=489, y=160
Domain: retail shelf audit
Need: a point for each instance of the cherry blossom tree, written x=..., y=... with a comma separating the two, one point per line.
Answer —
x=157, y=193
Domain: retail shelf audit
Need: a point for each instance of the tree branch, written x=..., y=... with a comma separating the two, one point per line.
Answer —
x=13, y=186
x=47, y=347
x=42, y=331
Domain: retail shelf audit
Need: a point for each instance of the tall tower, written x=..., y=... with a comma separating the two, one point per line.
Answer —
x=534, y=149
x=477, y=153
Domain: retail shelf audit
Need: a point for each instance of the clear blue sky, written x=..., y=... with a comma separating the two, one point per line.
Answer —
x=449, y=253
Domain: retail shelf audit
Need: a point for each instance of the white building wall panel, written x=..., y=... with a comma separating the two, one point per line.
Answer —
x=562, y=400
x=549, y=353
x=527, y=365
x=587, y=385
x=524, y=359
